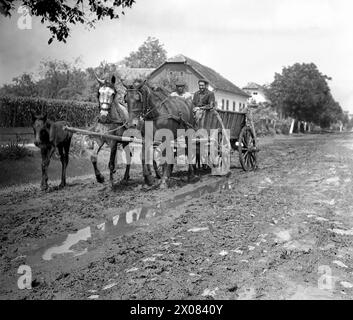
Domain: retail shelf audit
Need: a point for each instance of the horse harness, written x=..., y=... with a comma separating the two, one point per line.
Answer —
x=144, y=115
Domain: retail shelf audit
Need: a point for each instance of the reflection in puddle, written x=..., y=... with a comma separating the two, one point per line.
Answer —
x=71, y=240
x=124, y=222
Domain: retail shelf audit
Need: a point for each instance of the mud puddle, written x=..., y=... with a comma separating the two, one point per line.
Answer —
x=87, y=239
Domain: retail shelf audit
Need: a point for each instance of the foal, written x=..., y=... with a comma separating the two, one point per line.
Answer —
x=48, y=136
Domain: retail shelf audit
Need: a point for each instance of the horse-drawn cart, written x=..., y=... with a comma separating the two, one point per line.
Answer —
x=241, y=134
x=214, y=135
x=227, y=131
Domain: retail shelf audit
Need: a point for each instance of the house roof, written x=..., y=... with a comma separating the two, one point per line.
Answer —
x=214, y=78
x=134, y=73
x=252, y=85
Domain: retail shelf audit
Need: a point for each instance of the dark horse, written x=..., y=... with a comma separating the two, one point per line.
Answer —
x=49, y=136
x=154, y=104
x=112, y=119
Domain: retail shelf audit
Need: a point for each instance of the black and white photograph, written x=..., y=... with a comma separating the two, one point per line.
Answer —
x=170, y=150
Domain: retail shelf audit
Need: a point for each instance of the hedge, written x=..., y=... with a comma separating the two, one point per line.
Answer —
x=16, y=111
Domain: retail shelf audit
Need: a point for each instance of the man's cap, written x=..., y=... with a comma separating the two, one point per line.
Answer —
x=180, y=84
x=203, y=80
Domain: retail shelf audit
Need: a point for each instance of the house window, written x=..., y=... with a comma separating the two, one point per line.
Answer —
x=239, y=105
x=255, y=93
x=227, y=108
x=181, y=73
x=233, y=105
x=222, y=104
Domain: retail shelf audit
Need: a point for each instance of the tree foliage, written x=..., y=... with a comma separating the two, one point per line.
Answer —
x=303, y=93
x=60, y=15
x=22, y=86
x=150, y=54
x=61, y=79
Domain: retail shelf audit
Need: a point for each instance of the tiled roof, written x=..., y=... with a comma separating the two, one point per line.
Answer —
x=215, y=79
x=134, y=73
x=252, y=85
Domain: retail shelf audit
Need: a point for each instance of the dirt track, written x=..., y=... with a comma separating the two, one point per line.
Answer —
x=270, y=234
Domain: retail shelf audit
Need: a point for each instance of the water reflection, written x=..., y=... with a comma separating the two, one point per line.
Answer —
x=124, y=222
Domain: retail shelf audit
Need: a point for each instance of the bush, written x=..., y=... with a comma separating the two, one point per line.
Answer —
x=14, y=150
x=267, y=121
x=283, y=126
x=16, y=111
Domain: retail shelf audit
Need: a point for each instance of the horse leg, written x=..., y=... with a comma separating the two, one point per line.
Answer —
x=166, y=175
x=46, y=155
x=128, y=162
x=63, y=166
x=113, y=150
x=167, y=166
x=94, y=157
x=198, y=156
x=64, y=151
x=191, y=174
x=146, y=168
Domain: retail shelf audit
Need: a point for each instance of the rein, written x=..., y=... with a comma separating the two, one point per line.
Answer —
x=141, y=113
x=144, y=114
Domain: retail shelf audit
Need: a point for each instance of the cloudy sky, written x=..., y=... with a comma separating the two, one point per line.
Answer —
x=244, y=40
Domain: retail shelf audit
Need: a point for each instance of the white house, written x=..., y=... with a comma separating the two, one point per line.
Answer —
x=256, y=92
x=228, y=95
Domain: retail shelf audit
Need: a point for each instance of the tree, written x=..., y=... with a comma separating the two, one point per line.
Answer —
x=331, y=113
x=61, y=15
x=150, y=54
x=22, y=86
x=105, y=71
x=302, y=92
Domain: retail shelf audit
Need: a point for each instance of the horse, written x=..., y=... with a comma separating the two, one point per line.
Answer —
x=111, y=120
x=146, y=103
x=49, y=136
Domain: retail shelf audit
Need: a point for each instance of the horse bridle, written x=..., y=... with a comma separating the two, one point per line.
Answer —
x=142, y=113
x=139, y=112
x=105, y=98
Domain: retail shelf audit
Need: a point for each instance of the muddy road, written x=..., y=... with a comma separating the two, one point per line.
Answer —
x=284, y=231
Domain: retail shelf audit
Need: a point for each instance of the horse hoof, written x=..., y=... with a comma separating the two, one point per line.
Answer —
x=193, y=179
x=62, y=185
x=44, y=187
x=163, y=186
x=100, y=179
x=124, y=182
x=149, y=181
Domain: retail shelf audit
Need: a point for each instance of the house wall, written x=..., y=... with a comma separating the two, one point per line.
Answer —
x=256, y=95
x=185, y=73
x=182, y=71
x=240, y=101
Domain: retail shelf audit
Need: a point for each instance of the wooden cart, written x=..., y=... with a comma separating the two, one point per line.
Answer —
x=229, y=131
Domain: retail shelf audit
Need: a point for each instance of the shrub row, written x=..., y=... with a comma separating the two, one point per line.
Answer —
x=16, y=111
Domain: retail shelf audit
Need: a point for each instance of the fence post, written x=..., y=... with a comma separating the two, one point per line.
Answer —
x=291, y=127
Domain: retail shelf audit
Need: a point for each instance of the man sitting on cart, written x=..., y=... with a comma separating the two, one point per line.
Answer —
x=180, y=91
x=203, y=99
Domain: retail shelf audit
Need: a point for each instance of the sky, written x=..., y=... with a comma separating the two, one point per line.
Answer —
x=243, y=40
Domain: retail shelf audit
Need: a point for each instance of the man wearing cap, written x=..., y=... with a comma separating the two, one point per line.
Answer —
x=180, y=91
x=203, y=98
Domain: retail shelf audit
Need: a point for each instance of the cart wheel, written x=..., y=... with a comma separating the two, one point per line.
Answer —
x=219, y=152
x=247, y=149
x=157, y=165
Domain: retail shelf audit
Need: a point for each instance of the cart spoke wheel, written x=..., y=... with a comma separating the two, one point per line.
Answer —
x=220, y=152
x=247, y=149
